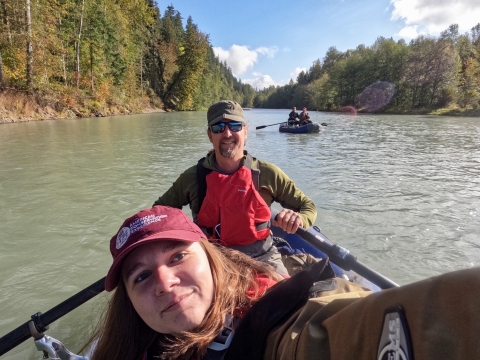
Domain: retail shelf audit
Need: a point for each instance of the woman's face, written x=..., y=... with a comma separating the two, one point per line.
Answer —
x=170, y=284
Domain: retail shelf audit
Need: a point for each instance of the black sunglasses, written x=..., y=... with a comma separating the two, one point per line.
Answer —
x=220, y=127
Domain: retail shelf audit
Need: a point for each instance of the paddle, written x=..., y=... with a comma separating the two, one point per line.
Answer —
x=264, y=126
x=345, y=259
x=342, y=257
x=41, y=321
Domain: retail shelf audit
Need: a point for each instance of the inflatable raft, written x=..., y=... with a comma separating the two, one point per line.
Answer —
x=302, y=129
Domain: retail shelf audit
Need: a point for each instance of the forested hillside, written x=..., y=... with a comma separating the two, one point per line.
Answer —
x=66, y=58
x=107, y=56
x=428, y=73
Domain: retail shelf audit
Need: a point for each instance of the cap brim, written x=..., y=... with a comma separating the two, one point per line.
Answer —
x=113, y=276
x=228, y=117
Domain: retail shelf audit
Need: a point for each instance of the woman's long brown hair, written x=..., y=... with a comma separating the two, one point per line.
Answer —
x=124, y=336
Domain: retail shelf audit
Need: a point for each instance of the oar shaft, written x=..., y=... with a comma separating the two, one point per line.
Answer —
x=345, y=259
x=22, y=333
x=264, y=126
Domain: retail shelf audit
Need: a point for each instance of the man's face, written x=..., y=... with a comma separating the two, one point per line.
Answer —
x=294, y=109
x=228, y=143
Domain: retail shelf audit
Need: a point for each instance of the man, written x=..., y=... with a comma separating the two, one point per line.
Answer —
x=304, y=117
x=230, y=192
x=293, y=117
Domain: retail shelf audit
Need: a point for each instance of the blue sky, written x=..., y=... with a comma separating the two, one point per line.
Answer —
x=268, y=42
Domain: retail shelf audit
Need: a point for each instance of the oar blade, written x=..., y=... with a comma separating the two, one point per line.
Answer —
x=22, y=333
x=264, y=126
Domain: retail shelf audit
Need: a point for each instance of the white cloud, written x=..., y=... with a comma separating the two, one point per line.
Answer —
x=408, y=32
x=270, y=52
x=286, y=49
x=261, y=81
x=436, y=15
x=222, y=54
x=295, y=73
x=241, y=58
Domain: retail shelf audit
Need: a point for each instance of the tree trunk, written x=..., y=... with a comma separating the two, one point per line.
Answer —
x=44, y=66
x=6, y=22
x=64, y=66
x=91, y=69
x=63, y=62
x=28, y=17
x=77, y=46
x=2, y=78
x=141, y=73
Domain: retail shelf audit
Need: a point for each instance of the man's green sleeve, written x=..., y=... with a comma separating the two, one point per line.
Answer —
x=184, y=191
x=275, y=185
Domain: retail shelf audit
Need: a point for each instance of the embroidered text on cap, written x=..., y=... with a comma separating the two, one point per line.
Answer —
x=136, y=225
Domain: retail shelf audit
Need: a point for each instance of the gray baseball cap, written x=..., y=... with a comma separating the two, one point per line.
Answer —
x=225, y=109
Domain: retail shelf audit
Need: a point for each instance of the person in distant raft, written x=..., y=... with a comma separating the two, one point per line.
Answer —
x=304, y=117
x=293, y=117
x=230, y=192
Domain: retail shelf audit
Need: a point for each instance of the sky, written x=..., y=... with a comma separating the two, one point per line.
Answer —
x=269, y=42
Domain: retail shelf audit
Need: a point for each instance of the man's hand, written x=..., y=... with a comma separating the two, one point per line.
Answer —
x=288, y=220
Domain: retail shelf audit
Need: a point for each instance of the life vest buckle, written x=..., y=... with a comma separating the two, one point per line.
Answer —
x=217, y=231
x=222, y=341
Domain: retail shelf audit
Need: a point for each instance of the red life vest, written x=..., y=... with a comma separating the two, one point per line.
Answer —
x=234, y=209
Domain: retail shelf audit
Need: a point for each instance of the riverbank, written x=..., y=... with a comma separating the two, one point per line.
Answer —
x=449, y=111
x=67, y=103
x=20, y=106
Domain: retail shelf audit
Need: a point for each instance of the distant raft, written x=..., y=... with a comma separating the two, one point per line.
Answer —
x=303, y=129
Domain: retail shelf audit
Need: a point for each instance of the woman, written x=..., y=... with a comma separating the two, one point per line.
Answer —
x=180, y=297
x=164, y=266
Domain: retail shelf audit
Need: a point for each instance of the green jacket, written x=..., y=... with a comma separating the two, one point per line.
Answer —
x=441, y=321
x=275, y=185
x=436, y=318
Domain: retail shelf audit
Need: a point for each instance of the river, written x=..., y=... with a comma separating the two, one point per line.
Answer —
x=400, y=192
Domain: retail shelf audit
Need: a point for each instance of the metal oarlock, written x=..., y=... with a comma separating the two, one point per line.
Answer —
x=51, y=348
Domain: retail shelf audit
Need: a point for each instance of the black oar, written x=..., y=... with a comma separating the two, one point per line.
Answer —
x=41, y=321
x=264, y=126
x=344, y=258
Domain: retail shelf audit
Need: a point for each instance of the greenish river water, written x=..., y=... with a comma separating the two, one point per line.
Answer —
x=400, y=192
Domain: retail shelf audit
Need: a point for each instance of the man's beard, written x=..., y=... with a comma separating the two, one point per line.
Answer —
x=229, y=153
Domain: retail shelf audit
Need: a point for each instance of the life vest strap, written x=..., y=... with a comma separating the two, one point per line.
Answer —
x=215, y=232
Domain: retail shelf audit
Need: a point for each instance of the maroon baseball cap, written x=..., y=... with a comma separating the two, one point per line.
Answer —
x=153, y=224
